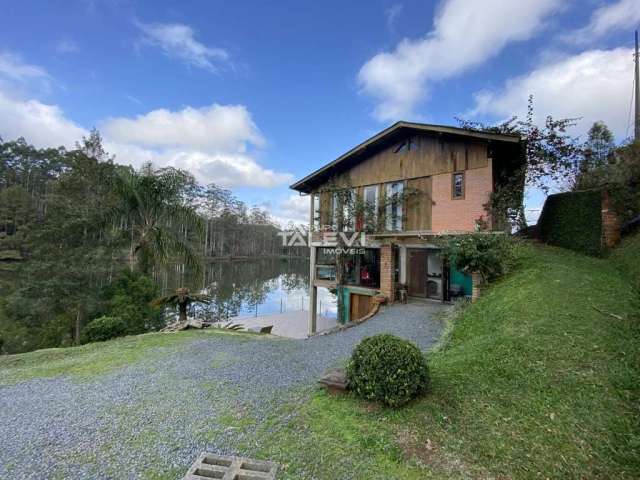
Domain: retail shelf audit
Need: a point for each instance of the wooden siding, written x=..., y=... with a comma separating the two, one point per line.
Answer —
x=427, y=156
x=418, y=206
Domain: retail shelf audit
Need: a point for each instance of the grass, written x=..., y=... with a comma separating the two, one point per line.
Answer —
x=627, y=259
x=533, y=383
x=94, y=359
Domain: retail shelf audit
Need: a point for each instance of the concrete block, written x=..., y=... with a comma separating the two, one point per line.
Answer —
x=223, y=467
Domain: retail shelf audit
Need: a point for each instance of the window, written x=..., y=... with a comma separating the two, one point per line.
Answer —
x=394, y=206
x=363, y=269
x=405, y=146
x=371, y=207
x=457, y=185
x=316, y=212
x=326, y=264
x=348, y=198
x=343, y=209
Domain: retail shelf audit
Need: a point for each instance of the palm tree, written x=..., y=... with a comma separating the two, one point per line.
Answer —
x=182, y=298
x=157, y=220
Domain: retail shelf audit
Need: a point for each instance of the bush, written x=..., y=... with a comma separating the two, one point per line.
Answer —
x=490, y=255
x=388, y=369
x=573, y=220
x=104, y=328
x=130, y=298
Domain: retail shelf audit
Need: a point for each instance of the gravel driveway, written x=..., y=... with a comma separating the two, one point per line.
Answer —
x=151, y=419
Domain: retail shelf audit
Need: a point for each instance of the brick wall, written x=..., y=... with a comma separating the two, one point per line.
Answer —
x=387, y=287
x=461, y=214
x=610, y=223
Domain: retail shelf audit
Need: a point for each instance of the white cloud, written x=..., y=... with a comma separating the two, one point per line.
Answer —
x=40, y=124
x=465, y=34
x=217, y=127
x=294, y=209
x=624, y=14
x=594, y=85
x=216, y=143
x=12, y=67
x=226, y=159
x=178, y=40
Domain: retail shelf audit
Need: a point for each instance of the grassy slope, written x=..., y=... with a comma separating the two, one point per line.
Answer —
x=627, y=258
x=93, y=359
x=535, y=383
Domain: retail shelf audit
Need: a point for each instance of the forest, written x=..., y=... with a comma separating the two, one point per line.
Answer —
x=83, y=237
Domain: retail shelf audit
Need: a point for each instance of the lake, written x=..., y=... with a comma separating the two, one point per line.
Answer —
x=248, y=288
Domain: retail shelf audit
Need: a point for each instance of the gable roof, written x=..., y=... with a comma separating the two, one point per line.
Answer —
x=388, y=135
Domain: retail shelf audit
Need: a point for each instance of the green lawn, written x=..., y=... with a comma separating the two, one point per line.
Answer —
x=627, y=259
x=535, y=382
x=93, y=359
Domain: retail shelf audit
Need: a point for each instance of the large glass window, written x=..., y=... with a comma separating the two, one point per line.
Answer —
x=363, y=269
x=343, y=207
x=394, y=206
x=335, y=208
x=326, y=264
x=371, y=207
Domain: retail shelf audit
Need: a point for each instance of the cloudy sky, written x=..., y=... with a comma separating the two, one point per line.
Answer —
x=253, y=95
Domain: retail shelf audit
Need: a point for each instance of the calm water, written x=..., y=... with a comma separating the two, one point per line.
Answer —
x=246, y=288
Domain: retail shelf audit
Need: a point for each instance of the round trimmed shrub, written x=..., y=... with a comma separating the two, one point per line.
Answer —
x=388, y=369
x=104, y=328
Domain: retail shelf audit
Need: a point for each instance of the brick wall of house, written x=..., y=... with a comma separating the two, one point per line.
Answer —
x=387, y=287
x=611, y=226
x=461, y=214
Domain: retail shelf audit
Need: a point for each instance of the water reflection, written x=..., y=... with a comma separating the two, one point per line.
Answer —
x=250, y=287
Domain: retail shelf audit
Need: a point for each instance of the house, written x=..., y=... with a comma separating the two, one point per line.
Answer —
x=379, y=207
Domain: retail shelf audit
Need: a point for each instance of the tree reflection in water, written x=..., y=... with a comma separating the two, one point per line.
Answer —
x=237, y=287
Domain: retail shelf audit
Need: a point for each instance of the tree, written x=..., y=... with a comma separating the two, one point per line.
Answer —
x=155, y=217
x=549, y=154
x=598, y=146
x=182, y=299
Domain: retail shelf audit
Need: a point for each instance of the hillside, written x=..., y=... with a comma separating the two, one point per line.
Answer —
x=539, y=380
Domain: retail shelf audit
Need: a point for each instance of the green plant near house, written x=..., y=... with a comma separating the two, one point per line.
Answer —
x=104, y=328
x=388, y=369
x=490, y=255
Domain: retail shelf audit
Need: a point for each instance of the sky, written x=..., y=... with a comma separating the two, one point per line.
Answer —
x=254, y=95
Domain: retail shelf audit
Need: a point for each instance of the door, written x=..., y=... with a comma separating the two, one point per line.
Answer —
x=360, y=306
x=417, y=272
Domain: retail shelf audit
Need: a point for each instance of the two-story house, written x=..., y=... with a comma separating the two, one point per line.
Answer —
x=402, y=187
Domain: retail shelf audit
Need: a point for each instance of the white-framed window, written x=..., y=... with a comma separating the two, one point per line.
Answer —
x=316, y=212
x=343, y=204
x=394, y=206
x=335, y=208
x=371, y=205
x=457, y=185
x=349, y=197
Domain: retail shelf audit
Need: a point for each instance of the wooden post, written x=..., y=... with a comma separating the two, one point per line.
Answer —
x=476, y=288
x=313, y=291
x=387, y=273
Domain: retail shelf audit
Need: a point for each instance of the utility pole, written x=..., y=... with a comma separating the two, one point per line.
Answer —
x=637, y=92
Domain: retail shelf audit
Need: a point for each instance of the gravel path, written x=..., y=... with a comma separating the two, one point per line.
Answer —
x=151, y=419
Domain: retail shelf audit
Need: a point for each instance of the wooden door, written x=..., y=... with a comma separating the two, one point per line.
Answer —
x=417, y=272
x=360, y=305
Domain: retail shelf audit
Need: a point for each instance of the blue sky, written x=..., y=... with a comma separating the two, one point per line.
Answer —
x=253, y=95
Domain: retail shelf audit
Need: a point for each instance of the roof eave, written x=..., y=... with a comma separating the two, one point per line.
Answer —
x=300, y=184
